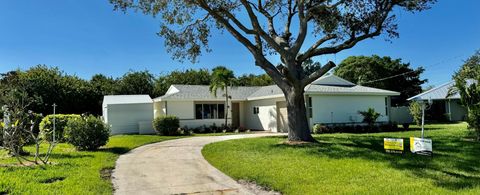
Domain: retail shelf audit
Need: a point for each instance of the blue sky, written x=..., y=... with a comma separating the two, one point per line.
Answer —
x=87, y=37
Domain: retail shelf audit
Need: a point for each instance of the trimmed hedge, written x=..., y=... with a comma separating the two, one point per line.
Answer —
x=350, y=128
x=87, y=132
x=61, y=120
x=167, y=125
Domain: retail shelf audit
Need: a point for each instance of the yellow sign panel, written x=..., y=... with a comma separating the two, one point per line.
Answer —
x=393, y=144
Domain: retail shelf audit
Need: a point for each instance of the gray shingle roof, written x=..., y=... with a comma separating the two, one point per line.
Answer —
x=266, y=91
x=438, y=93
x=202, y=92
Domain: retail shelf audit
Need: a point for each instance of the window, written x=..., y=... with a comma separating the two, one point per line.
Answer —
x=256, y=110
x=209, y=111
x=386, y=106
x=309, y=106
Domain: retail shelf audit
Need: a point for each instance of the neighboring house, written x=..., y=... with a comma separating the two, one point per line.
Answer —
x=128, y=114
x=330, y=99
x=444, y=106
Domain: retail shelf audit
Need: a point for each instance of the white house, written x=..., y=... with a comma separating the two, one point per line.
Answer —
x=330, y=99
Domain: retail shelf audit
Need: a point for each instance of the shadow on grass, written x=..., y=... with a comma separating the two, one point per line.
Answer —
x=455, y=164
x=115, y=150
x=69, y=156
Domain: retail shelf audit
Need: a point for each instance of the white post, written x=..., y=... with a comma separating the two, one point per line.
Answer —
x=54, y=118
x=423, y=117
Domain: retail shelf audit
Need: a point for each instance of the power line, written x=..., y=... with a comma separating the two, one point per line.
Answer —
x=405, y=73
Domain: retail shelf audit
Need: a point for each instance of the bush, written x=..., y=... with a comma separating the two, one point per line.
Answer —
x=350, y=128
x=61, y=120
x=319, y=128
x=370, y=116
x=87, y=132
x=416, y=112
x=167, y=125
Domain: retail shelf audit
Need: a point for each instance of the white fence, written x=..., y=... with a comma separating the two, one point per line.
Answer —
x=400, y=115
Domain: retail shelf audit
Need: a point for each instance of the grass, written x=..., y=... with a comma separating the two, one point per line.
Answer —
x=354, y=163
x=72, y=172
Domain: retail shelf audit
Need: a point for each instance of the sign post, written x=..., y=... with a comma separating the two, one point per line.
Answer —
x=54, y=120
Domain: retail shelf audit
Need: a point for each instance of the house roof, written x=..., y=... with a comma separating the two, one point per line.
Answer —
x=202, y=92
x=355, y=89
x=126, y=99
x=332, y=80
x=329, y=84
x=437, y=93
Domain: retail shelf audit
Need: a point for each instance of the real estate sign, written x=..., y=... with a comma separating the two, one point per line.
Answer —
x=393, y=145
x=421, y=146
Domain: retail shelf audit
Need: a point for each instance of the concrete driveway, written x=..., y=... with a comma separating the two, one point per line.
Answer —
x=175, y=167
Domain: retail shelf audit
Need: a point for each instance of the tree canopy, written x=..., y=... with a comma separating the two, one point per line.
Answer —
x=73, y=95
x=384, y=73
x=467, y=83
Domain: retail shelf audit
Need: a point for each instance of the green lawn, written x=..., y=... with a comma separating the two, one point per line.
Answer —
x=73, y=172
x=354, y=163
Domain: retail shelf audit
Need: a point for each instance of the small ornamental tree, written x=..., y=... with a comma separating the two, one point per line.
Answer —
x=416, y=111
x=276, y=28
x=370, y=116
x=20, y=127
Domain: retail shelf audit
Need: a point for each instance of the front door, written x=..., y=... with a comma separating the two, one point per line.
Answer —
x=282, y=117
x=235, y=115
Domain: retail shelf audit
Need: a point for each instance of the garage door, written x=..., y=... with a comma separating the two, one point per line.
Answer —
x=282, y=117
x=126, y=118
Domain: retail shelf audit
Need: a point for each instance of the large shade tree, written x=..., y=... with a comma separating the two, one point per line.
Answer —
x=276, y=27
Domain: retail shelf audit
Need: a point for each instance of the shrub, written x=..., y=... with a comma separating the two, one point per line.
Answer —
x=61, y=120
x=416, y=112
x=87, y=132
x=319, y=128
x=167, y=125
x=350, y=128
x=369, y=116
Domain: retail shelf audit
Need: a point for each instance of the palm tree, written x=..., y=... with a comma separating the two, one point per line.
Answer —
x=222, y=78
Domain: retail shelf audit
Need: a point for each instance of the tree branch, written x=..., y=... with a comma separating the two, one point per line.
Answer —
x=254, y=20
x=291, y=13
x=302, y=30
x=317, y=74
x=237, y=35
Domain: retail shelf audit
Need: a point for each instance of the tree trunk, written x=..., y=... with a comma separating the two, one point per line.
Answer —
x=226, y=106
x=298, y=128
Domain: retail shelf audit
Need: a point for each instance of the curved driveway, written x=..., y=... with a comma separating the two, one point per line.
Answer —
x=175, y=167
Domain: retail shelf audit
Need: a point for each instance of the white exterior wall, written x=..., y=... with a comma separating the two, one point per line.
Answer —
x=266, y=119
x=159, y=109
x=344, y=108
x=181, y=109
x=125, y=118
x=457, y=111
